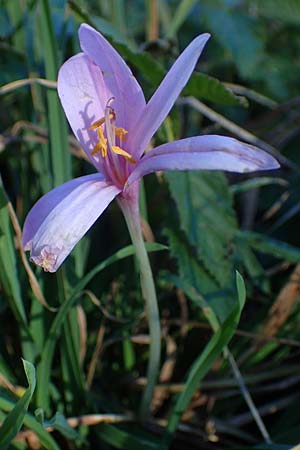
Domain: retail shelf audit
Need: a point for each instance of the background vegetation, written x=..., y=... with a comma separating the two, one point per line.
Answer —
x=84, y=328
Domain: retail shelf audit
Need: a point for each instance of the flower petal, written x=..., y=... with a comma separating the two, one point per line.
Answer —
x=62, y=216
x=208, y=152
x=164, y=98
x=83, y=94
x=129, y=98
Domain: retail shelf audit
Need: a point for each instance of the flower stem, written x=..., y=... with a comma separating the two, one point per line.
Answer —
x=130, y=210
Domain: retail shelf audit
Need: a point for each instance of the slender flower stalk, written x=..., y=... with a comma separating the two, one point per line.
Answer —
x=131, y=214
x=109, y=116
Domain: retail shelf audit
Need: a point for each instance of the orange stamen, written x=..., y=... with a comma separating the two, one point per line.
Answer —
x=120, y=151
x=112, y=132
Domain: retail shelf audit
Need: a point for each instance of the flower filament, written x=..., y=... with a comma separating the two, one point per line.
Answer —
x=111, y=133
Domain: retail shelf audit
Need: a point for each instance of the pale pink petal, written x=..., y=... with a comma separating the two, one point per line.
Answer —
x=208, y=152
x=61, y=217
x=83, y=94
x=129, y=98
x=164, y=98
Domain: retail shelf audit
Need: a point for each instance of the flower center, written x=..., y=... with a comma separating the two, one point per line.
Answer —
x=112, y=132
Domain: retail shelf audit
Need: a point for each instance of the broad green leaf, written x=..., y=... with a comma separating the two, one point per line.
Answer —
x=246, y=258
x=15, y=418
x=193, y=274
x=200, y=85
x=208, y=88
x=204, y=205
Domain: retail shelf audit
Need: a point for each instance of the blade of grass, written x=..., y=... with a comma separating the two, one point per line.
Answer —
x=15, y=418
x=61, y=159
x=181, y=13
x=30, y=422
x=122, y=439
x=204, y=362
x=70, y=350
x=9, y=276
x=44, y=367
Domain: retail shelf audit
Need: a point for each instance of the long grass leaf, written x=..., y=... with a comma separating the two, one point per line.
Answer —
x=44, y=368
x=61, y=160
x=205, y=360
x=31, y=423
x=15, y=418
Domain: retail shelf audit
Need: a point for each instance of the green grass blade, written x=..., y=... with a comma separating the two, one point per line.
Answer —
x=8, y=271
x=122, y=439
x=9, y=278
x=70, y=346
x=255, y=183
x=61, y=159
x=30, y=422
x=180, y=15
x=44, y=368
x=270, y=246
x=15, y=418
x=204, y=362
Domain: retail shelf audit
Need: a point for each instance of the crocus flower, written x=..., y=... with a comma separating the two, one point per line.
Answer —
x=110, y=118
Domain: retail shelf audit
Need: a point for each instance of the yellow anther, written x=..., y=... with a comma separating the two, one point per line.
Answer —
x=121, y=133
x=120, y=151
x=100, y=122
x=112, y=132
x=101, y=145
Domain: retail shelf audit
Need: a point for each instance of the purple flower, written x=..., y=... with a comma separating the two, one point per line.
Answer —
x=108, y=114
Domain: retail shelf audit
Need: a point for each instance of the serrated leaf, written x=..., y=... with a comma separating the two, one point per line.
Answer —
x=204, y=205
x=197, y=283
x=200, y=85
x=270, y=246
x=208, y=88
x=254, y=269
x=15, y=418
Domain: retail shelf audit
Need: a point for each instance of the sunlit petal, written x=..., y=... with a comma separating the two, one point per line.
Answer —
x=165, y=96
x=129, y=98
x=208, y=152
x=83, y=94
x=62, y=216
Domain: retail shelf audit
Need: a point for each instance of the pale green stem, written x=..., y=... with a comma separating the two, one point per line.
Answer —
x=131, y=213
